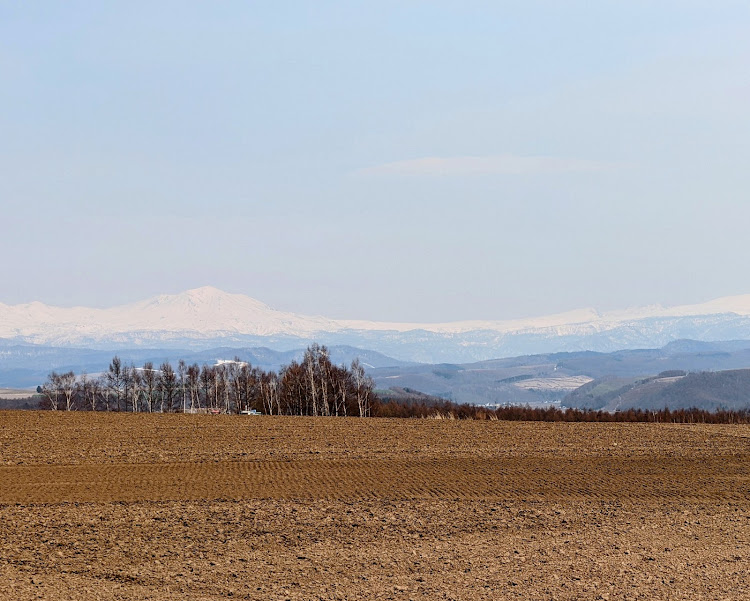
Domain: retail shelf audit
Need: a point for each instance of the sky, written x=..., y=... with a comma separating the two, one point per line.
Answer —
x=392, y=160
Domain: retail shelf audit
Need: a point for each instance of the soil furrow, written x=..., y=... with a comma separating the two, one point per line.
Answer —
x=538, y=478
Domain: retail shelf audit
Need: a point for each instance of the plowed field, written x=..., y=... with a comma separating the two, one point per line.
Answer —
x=117, y=506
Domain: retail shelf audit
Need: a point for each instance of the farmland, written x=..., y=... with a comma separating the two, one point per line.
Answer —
x=122, y=506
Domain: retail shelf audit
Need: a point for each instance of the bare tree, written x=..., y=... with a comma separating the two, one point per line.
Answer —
x=310, y=364
x=127, y=390
x=294, y=391
x=242, y=385
x=222, y=388
x=363, y=387
x=67, y=383
x=149, y=384
x=208, y=379
x=60, y=390
x=181, y=371
x=136, y=388
x=115, y=381
x=51, y=390
x=341, y=383
x=84, y=385
x=167, y=382
x=92, y=391
x=193, y=384
x=269, y=393
x=232, y=390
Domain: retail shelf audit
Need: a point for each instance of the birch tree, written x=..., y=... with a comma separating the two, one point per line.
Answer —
x=269, y=393
x=363, y=387
x=149, y=384
x=181, y=371
x=51, y=390
x=67, y=384
x=92, y=391
x=193, y=384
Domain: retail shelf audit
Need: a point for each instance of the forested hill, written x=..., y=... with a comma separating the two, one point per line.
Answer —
x=728, y=390
x=540, y=379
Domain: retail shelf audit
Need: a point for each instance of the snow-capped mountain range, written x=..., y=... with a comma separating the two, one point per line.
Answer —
x=205, y=317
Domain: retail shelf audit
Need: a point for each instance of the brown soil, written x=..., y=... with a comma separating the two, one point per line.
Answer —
x=116, y=506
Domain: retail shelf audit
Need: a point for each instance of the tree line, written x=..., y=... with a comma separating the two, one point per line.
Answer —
x=312, y=386
x=440, y=409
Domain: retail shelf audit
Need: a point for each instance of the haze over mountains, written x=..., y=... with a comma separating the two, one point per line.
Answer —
x=580, y=358
x=206, y=317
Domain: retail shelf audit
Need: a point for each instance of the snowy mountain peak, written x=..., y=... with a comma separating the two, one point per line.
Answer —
x=204, y=299
x=207, y=313
x=209, y=295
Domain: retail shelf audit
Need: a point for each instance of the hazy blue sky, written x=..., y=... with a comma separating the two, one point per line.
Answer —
x=389, y=160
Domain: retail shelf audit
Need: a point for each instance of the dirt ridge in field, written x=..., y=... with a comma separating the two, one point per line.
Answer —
x=461, y=478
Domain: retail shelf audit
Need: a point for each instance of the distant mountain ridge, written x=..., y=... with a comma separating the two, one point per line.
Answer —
x=557, y=377
x=641, y=378
x=27, y=366
x=206, y=317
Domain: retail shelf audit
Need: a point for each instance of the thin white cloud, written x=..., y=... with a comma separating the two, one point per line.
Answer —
x=505, y=164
